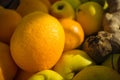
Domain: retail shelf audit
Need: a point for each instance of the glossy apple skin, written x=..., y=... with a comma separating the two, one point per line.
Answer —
x=62, y=9
x=72, y=62
x=46, y=74
x=90, y=15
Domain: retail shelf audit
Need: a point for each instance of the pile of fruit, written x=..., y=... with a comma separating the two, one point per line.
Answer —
x=60, y=40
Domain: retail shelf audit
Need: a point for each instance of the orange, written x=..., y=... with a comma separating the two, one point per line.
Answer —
x=47, y=3
x=53, y=1
x=7, y=66
x=23, y=75
x=74, y=35
x=29, y=6
x=9, y=19
x=38, y=42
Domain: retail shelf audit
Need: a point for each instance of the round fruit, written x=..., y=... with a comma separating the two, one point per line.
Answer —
x=74, y=3
x=89, y=15
x=97, y=73
x=74, y=35
x=60, y=9
x=46, y=2
x=29, y=6
x=9, y=20
x=71, y=62
x=38, y=42
x=53, y=1
x=46, y=75
x=8, y=68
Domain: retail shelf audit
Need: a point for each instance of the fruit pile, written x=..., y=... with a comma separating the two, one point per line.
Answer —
x=60, y=40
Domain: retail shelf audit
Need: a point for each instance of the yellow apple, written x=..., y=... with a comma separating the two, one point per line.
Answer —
x=71, y=62
x=62, y=9
x=46, y=75
x=89, y=15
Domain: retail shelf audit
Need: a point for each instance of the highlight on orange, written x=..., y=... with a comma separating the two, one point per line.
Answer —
x=74, y=34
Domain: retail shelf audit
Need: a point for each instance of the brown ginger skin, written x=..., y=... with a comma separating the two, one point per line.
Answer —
x=98, y=47
x=114, y=5
x=111, y=23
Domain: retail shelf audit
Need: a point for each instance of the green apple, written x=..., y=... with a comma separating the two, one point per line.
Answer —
x=46, y=75
x=90, y=15
x=97, y=73
x=72, y=62
x=74, y=3
x=62, y=9
x=112, y=61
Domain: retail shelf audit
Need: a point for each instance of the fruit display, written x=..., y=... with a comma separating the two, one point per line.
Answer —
x=60, y=40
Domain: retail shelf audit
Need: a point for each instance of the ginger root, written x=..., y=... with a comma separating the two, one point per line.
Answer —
x=99, y=46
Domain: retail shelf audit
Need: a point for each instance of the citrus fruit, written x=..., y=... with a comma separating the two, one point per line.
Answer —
x=47, y=3
x=9, y=20
x=8, y=68
x=53, y=1
x=28, y=6
x=37, y=42
x=74, y=35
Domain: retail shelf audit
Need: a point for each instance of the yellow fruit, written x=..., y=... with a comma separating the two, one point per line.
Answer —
x=29, y=6
x=60, y=9
x=38, y=42
x=9, y=20
x=89, y=15
x=74, y=35
x=23, y=75
x=7, y=66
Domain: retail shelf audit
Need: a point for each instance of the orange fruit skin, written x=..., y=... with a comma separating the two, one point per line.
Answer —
x=28, y=6
x=53, y=1
x=9, y=20
x=46, y=2
x=8, y=68
x=74, y=34
x=38, y=42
